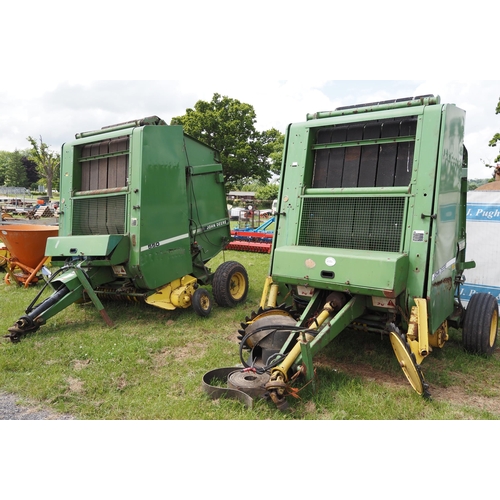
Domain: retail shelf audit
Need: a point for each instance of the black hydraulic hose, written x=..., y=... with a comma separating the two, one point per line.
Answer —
x=56, y=273
x=48, y=302
x=276, y=328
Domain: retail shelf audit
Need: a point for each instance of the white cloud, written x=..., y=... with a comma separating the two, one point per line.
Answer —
x=57, y=110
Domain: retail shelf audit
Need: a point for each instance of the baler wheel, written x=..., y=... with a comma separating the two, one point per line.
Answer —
x=406, y=360
x=201, y=302
x=479, y=332
x=230, y=284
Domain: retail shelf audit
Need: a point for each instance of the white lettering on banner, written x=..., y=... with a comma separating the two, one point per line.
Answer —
x=478, y=212
x=469, y=289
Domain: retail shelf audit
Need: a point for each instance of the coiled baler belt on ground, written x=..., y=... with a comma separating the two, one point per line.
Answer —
x=235, y=379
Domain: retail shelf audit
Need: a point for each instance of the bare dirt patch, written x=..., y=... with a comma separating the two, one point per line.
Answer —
x=75, y=384
x=80, y=364
x=191, y=351
x=454, y=395
x=11, y=409
x=458, y=396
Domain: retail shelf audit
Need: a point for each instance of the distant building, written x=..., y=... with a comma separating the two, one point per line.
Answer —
x=246, y=196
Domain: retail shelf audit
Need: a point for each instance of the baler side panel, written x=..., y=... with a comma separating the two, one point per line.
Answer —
x=447, y=226
x=159, y=206
x=418, y=234
x=293, y=175
x=207, y=209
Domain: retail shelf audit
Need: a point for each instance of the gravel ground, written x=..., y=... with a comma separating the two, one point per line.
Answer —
x=10, y=410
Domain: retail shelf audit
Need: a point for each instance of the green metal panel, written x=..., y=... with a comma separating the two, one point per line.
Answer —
x=210, y=228
x=352, y=214
x=447, y=227
x=177, y=207
x=158, y=206
x=75, y=183
x=153, y=184
x=370, y=273
x=82, y=246
x=419, y=222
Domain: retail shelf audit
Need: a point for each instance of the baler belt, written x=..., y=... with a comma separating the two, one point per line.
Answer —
x=216, y=392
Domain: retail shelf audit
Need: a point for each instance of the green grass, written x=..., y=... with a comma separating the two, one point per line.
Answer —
x=150, y=366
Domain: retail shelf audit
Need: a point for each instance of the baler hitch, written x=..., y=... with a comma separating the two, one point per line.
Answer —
x=30, y=323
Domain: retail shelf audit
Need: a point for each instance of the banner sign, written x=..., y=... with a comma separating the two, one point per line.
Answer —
x=482, y=212
x=483, y=244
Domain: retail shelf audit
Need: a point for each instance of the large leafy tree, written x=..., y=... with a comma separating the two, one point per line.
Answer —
x=276, y=155
x=14, y=170
x=267, y=193
x=228, y=126
x=47, y=162
x=31, y=171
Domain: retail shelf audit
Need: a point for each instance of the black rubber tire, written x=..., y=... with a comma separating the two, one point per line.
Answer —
x=230, y=284
x=201, y=302
x=479, y=331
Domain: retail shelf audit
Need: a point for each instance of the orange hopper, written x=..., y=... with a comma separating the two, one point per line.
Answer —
x=26, y=245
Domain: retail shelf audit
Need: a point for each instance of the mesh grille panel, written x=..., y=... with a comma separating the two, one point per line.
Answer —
x=353, y=223
x=103, y=215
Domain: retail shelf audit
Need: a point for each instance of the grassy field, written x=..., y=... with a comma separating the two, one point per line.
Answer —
x=150, y=366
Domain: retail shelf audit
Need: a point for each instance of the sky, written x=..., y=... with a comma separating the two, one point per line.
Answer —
x=69, y=68
x=57, y=109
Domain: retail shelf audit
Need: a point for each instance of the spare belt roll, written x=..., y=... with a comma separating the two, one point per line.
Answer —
x=241, y=385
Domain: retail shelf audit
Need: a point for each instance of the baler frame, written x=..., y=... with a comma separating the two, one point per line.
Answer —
x=370, y=235
x=143, y=211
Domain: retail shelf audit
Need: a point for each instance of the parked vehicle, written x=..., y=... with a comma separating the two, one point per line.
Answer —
x=235, y=212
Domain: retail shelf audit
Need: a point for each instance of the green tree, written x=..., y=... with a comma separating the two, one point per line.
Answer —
x=276, y=156
x=31, y=170
x=228, y=126
x=495, y=139
x=47, y=162
x=19, y=166
x=15, y=173
x=267, y=193
x=4, y=158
